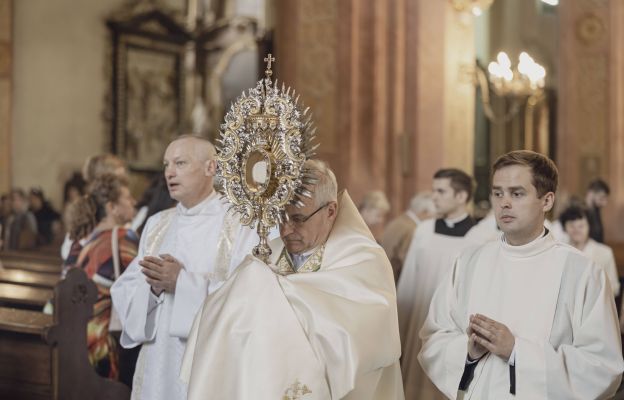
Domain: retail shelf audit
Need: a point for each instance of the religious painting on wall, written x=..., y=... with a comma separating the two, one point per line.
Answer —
x=148, y=87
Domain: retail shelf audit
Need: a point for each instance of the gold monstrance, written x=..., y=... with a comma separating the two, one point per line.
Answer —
x=264, y=142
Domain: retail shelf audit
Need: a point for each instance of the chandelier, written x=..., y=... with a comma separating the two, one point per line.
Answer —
x=516, y=86
x=476, y=7
x=525, y=79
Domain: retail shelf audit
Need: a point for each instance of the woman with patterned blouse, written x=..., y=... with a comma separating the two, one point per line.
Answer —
x=100, y=216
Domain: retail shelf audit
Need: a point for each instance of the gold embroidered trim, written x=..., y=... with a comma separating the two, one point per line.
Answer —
x=224, y=249
x=296, y=391
x=157, y=234
x=285, y=265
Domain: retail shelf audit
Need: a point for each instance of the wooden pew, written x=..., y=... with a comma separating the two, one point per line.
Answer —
x=31, y=261
x=34, y=266
x=31, y=255
x=45, y=357
x=29, y=278
x=24, y=296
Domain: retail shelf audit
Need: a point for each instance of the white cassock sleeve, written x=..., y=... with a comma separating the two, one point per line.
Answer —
x=191, y=290
x=444, y=341
x=612, y=272
x=588, y=368
x=136, y=305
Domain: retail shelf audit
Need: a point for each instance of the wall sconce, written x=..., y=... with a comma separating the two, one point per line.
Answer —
x=476, y=7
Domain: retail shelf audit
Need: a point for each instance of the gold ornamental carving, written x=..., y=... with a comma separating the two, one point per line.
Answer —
x=265, y=140
x=296, y=391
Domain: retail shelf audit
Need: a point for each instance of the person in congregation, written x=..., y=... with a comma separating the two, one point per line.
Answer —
x=576, y=224
x=527, y=316
x=73, y=188
x=435, y=244
x=155, y=199
x=20, y=231
x=48, y=219
x=398, y=234
x=319, y=321
x=484, y=230
x=94, y=167
x=185, y=253
x=374, y=208
x=5, y=213
x=596, y=198
x=99, y=216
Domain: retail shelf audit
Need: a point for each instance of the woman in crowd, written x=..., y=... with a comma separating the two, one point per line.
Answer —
x=99, y=216
x=374, y=208
x=93, y=168
x=47, y=217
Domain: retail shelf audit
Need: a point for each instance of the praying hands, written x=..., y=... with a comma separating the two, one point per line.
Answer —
x=486, y=334
x=161, y=273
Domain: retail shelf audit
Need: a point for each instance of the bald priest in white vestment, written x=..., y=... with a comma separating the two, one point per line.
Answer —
x=319, y=323
x=185, y=253
x=525, y=317
x=431, y=254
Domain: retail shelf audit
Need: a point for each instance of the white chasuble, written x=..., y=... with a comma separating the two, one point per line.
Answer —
x=208, y=244
x=318, y=334
x=603, y=256
x=430, y=257
x=556, y=303
x=485, y=230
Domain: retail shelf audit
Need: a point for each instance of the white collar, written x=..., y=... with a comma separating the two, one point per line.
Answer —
x=199, y=208
x=542, y=243
x=450, y=222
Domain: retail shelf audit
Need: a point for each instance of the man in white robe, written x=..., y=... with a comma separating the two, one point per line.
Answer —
x=185, y=253
x=434, y=247
x=398, y=234
x=318, y=323
x=575, y=221
x=485, y=230
x=526, y=317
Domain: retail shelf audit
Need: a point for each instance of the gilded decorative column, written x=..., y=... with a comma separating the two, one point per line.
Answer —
x=6, y=14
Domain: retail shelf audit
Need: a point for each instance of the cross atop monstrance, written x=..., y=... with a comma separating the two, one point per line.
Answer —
x=269, y=59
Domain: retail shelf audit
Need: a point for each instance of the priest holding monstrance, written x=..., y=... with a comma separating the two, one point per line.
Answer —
x=311, y=315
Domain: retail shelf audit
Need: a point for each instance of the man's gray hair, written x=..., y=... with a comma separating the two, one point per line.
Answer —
x=325, y=189
x=422, y=202
x=375, y=200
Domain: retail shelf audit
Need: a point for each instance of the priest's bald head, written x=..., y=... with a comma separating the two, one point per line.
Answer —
x=190, y=165
x=523, y=191
x=309, y=226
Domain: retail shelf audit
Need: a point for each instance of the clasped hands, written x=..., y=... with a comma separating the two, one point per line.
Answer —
x=486, y=335
x=161, y=273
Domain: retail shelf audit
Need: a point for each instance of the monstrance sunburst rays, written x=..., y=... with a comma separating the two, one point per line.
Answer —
x=263, y=145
